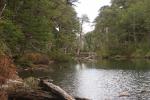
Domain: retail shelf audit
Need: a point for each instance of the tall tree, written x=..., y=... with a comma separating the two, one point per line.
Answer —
x=84, y=19
x=38, y=26
x=124, y=24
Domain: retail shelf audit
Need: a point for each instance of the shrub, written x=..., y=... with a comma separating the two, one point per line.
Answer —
x=147, y=55
x=60, y=56
x=28, y=59
x=138, y=53
x=31, y=83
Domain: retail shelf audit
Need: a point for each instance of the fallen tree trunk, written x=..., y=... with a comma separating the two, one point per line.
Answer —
x=56, y=90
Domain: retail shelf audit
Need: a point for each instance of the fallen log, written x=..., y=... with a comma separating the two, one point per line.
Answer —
x=46, y=85
x=56, y=90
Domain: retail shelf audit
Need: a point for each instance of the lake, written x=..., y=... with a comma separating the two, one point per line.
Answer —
x=104, y=80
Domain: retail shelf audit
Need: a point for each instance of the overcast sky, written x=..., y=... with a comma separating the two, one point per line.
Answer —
x=90, y=8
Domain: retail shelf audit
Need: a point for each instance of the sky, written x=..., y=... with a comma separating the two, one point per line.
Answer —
x=90, y=8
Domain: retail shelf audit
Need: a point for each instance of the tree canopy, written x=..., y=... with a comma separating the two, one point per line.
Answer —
x=38, y=25
x=122, y=29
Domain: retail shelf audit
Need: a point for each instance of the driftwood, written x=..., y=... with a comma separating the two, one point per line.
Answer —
x=56, y=90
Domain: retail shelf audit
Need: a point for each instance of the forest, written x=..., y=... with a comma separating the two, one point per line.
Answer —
x=121, y=30
x=37, y=33
x=45, y=26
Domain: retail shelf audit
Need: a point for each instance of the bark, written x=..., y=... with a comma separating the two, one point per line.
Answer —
x=56, y=90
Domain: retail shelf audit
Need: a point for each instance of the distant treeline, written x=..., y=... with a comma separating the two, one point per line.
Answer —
x=121, y=29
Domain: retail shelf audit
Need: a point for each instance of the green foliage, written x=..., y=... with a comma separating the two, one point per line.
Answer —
x=28, y=59
x=89, y=44
x=24, y=62
x=31, y=83
x=122, y=29
x=11, y=35
x=38, y=26
x=3, y=48
x=59, y=56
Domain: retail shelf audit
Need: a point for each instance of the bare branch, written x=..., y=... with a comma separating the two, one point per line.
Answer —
x=2, y=11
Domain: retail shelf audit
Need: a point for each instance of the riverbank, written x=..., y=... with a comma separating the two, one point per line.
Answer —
x=35, y=89
x=10, y=82
x=38, y=66
x=123, y=57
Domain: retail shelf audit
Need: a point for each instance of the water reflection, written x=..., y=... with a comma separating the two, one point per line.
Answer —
x=80, y=66
x=104, y=80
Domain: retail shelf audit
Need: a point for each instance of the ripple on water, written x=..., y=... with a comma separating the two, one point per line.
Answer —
x=91, y=81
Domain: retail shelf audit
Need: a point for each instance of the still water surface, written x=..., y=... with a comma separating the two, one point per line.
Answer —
x=104, y=80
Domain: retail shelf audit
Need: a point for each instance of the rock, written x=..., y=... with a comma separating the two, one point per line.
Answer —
x=143, y=91
x=12, y=84
x=79, y=98
x=10, y=81
x=125, y=93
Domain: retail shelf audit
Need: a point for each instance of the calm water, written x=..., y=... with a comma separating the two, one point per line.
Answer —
x=104, y=80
